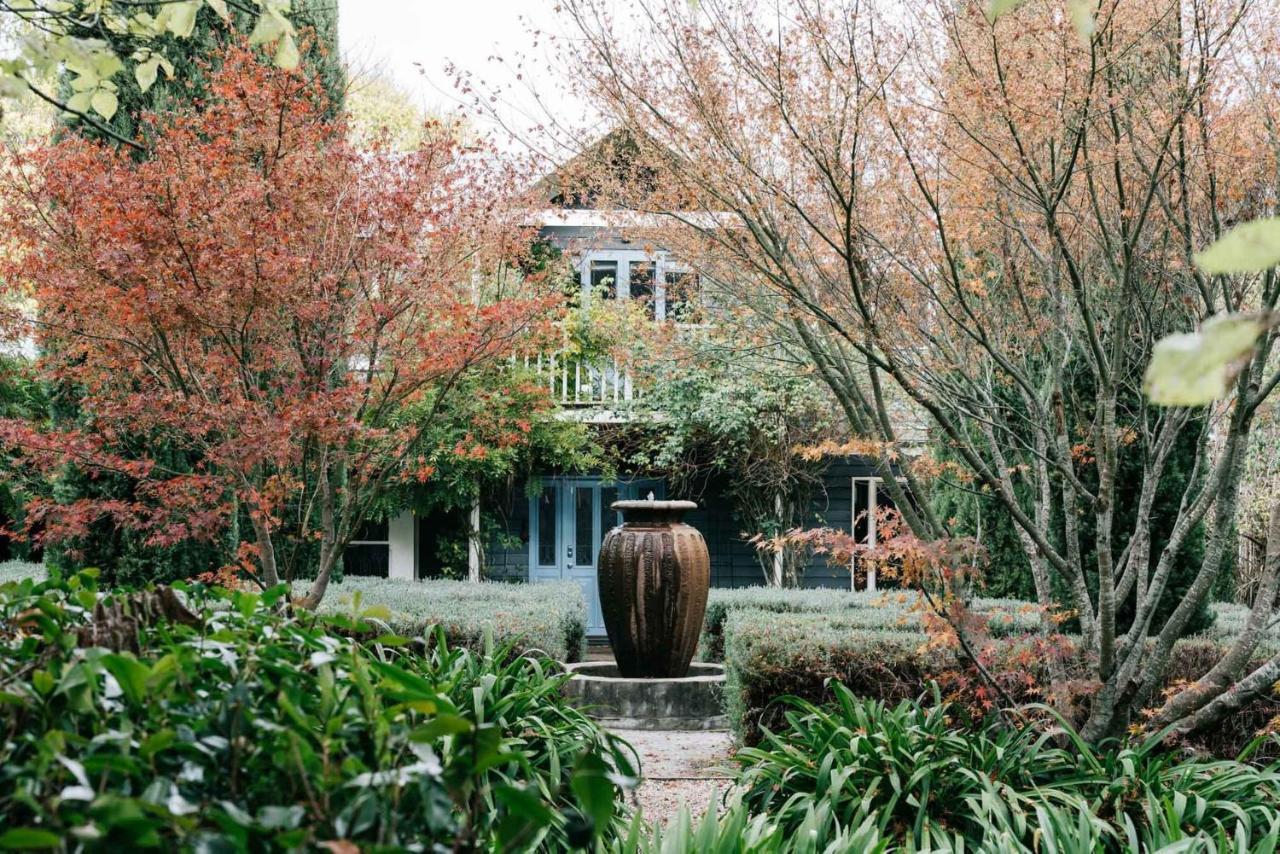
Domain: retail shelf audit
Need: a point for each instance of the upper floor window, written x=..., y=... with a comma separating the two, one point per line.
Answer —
x=604, y=277
x=664, y=289
x=642, y=275
x=680, y=289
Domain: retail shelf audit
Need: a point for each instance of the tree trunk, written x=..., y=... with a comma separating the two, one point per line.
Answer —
x=1223, y=674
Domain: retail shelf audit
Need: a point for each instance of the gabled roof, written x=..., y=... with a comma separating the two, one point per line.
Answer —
x=584, y=181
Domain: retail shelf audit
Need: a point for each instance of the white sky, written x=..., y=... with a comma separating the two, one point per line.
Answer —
x=413, y=40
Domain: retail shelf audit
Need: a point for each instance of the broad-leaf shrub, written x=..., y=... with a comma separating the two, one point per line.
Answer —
x=929, y=785
x=257, y=730
x=549, y=618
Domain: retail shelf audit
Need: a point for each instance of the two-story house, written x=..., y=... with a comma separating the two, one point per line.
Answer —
x=554, y=530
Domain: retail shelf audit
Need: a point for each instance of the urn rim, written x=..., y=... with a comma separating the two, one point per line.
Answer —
x=643, y=504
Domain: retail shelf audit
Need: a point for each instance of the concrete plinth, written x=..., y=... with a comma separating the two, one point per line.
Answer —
x=694, y=702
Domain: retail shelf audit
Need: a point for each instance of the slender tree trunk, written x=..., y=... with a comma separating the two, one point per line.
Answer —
x=330, y=550
x=1228, y=670
x=266, y=550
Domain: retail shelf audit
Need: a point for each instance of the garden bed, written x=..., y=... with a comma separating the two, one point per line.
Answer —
x=218, y=721
x=17, y=570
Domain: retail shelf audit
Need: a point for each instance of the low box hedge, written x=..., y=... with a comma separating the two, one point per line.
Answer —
x=769, y=655
x=551, y=618
x=891, y=610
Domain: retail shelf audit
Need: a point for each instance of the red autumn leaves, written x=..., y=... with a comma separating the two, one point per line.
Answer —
x=259, y=299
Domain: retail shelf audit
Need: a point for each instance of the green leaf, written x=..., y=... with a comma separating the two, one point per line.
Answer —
x=106, y=64
x=409, y=681
x=269, y=28
x=377, y=612
x=1247, y=248
x=130, y=673
x=287, y=53
x=526, y=813
x=104, y=103
x=28, y=839
x=593, y=789
x=80, y=101
x=1196, y=368
x=996, y=8
x=146, y=72
x=1082, y=12
x=182, y=18
x=42, y=681
x=156, y=742
x=442, y=725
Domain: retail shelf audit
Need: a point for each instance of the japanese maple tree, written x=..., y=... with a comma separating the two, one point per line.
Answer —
x=291, y=311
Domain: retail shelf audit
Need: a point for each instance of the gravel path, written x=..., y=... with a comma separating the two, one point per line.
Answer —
x=679, y=769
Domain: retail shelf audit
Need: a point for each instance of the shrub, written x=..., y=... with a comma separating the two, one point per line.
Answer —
x=249, y=729
x=893, y=610
x=770, y=655
x=932, y=786
x=550, y=618
x=1229, y=621
x=735, y=831
x=17, y=570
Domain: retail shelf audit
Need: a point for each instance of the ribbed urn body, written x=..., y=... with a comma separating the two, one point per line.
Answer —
x=654, y=571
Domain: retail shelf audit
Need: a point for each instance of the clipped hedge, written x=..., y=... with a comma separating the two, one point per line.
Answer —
x=551, y=618
x=892, y=610
x=770, y=655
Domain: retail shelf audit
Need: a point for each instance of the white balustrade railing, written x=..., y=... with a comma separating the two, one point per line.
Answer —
x=574, y=381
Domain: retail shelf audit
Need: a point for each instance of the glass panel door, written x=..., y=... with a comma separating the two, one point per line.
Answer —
x=581, y=530
x=544, y=533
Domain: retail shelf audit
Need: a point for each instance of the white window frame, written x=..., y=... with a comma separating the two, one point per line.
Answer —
x=624, y=258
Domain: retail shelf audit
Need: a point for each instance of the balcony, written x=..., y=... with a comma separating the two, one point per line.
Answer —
x=576, y=382
x=605, y=382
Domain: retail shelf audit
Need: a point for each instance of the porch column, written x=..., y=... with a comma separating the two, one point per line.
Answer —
x=473, y=542
x=778, y=557
x=401, y=551
x=871, y=533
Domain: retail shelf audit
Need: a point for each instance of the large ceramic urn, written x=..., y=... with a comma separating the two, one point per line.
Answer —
x=654, y=571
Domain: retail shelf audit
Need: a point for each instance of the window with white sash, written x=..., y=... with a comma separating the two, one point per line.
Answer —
x=667, y=289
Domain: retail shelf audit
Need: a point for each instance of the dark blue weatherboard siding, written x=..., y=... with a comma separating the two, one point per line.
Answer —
x=733, y=560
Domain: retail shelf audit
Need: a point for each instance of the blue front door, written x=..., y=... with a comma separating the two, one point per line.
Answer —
x=567, y=521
